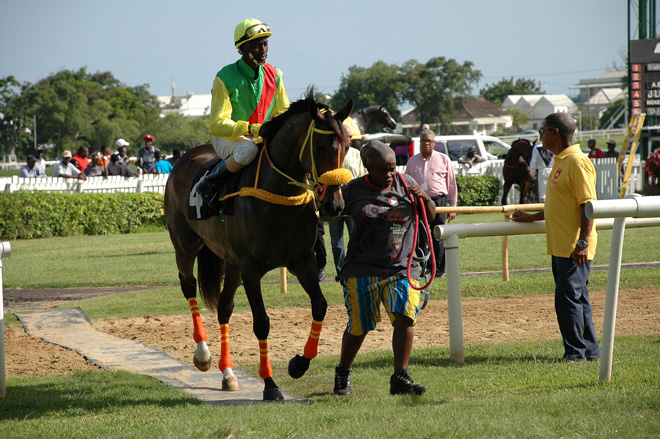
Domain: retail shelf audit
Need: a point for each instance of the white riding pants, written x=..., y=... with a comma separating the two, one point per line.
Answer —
x=244, y=150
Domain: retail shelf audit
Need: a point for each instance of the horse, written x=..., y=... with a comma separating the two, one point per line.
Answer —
x=273, y=225
x=366, y=117
x=516, y=169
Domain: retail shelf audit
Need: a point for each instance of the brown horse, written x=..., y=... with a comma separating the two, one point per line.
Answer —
x=516, y=169
x=366, y=117
x=275, y=227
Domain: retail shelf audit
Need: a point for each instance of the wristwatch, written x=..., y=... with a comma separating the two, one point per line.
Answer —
x=582, y=243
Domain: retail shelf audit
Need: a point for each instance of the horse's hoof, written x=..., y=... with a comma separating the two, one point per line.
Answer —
x=298, y=366
x=230, y=384
x=273, y=394
x=202, y=366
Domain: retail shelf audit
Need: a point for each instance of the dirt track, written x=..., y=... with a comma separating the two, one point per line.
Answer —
x=485, y=320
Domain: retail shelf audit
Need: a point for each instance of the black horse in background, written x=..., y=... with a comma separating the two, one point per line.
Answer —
x=366, y=117
x=516, y=169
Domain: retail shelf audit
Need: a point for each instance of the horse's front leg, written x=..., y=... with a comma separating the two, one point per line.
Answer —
x=225, y=309
x=261, y=328
x=307, y=274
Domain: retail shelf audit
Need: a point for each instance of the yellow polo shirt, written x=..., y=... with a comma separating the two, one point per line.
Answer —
x=572, y=182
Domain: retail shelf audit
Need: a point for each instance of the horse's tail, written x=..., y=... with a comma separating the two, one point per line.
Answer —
x=210, y=269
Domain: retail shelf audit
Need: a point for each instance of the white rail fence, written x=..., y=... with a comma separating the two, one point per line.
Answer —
x=143, y=183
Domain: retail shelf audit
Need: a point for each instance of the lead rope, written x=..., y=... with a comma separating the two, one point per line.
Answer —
x=428, y=232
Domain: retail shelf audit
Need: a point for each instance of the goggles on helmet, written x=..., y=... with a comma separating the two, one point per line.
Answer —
x=253, y=31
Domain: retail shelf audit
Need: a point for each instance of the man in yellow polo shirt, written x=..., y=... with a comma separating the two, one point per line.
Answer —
x=571, y=236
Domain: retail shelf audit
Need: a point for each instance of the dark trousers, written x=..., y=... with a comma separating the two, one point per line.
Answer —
x=439, y=246
x=319, y=246
x=573, y=309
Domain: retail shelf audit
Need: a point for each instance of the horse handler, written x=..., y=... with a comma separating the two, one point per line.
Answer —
x=375, y=269
x=245, y=94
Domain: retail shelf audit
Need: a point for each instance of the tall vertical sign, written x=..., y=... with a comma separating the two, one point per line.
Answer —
x=645, y=77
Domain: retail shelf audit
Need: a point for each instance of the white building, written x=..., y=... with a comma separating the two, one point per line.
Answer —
x=537, y=107
x=189, y=105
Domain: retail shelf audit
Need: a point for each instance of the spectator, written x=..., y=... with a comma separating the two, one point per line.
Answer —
x=66, y=169
x=594, y=152
x=433, y=171
x=41, y=162
x=146, y=160
x=95, y=169
x=161, y=166
x=121, y=143
x=571, y=236
x=471, y=157
x=540, y=166
x=376, y=264
x=116, y=167
x=122, y=152
x=104, y=156
x=31, y=170
x=82, y=157
x=611, y=152
x=176, y=155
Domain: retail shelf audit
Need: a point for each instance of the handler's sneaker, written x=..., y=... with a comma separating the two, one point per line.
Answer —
x=342, y=381
x=401, y=384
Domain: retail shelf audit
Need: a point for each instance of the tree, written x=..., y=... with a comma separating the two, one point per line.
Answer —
x=497, y=93
x=178, y=131
x=434, y=87
x=614, y=108
x=379, y=84
x=74, y=108
x=16, y=123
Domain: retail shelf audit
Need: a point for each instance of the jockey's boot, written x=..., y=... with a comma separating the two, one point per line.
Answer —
x=209, y=187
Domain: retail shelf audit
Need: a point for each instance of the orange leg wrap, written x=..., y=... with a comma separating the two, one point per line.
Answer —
x=225, y=358
x=199, y=333
x=265, y=371
x=312, y=345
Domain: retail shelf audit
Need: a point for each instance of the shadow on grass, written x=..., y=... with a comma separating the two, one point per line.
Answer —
x=85, y=392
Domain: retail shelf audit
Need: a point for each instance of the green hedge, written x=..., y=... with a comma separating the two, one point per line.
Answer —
x=477, y=190
x=25, y=215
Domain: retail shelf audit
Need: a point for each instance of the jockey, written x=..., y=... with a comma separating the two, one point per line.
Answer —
x=245, y=94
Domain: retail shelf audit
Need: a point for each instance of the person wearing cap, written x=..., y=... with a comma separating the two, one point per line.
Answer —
x=611, y=153
x=471, y=157
x=31, y=170
x=146, y=156
x=245, y=95
x=121, y=151
x=65, y=168
x=594, y=153
x=375, y=268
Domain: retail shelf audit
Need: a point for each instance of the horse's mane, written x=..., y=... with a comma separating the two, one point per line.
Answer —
x=520, y=147
x=306, y=105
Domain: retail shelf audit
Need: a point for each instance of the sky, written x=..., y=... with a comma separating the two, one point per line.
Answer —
x=555, y=43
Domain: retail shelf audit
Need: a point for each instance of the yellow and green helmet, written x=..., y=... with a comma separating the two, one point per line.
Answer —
x=250, y=29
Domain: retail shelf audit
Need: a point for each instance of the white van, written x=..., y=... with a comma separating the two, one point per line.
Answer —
x=455, y=147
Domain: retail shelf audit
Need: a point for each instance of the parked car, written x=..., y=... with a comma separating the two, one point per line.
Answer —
x=455, y=147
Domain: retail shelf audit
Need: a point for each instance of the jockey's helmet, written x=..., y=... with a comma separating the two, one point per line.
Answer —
x=250, y=29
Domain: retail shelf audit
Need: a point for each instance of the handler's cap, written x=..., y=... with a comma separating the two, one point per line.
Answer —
x=250, y=29
x=376, y=152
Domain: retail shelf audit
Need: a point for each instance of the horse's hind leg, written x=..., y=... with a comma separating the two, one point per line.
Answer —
x=505, y=192
x=523, y=191
x=225, y=309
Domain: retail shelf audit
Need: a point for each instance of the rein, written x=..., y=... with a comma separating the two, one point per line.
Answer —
x=319, y=184
x=428, y=232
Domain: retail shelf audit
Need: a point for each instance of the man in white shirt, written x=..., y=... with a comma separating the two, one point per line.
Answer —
x=65, y=168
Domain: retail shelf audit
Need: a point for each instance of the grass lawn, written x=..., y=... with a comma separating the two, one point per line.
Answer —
x=506, y=390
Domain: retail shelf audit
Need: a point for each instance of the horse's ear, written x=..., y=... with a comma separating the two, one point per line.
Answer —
x=345, y=112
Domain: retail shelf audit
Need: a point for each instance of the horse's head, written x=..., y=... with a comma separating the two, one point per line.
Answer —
x=521, y=149
x=384, y=118
x=308, y=142
x=330, y=144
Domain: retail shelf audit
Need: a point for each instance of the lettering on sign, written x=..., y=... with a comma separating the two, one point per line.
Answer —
x=652, y=103
x=652, y=94
x=653, y=67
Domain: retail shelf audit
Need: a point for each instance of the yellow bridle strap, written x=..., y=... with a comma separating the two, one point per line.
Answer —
x=264, y=195
x=310, y=131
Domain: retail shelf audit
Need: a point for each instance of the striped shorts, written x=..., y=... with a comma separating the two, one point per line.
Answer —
x=363, y=296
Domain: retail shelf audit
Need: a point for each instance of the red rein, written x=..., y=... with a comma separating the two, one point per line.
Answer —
x=426, y=225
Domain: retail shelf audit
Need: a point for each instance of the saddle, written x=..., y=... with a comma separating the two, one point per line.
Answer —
x=197, y=209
